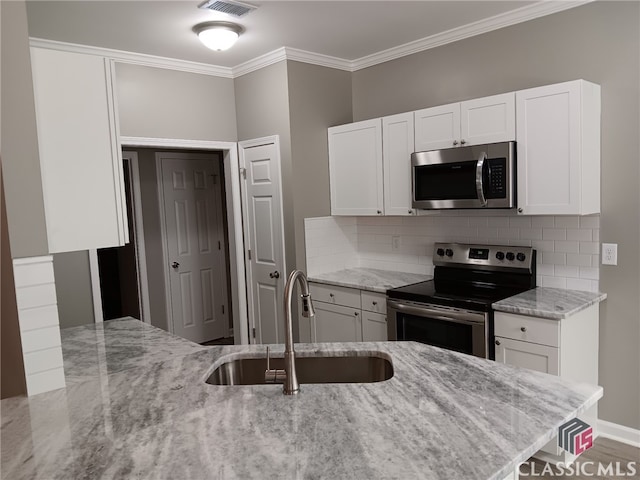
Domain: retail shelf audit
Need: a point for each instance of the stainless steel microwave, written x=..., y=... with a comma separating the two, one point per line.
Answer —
x=479, y=176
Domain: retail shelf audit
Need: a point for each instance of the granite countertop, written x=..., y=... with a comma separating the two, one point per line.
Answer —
x=443, y=415
x=370, y=279
x=116, y=345
x=553, y=303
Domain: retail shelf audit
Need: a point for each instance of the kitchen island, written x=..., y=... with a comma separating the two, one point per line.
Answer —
x=442, y=415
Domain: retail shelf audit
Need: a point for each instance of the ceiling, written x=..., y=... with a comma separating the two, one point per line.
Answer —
x=347, y=30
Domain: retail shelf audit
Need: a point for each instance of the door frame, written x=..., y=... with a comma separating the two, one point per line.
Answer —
x=234, y=219
x=242, y=146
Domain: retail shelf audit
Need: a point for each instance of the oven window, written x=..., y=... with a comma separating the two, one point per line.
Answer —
x=449, y=335
x=447, y=181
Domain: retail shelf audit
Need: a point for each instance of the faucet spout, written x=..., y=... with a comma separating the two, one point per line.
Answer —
x=291, y=385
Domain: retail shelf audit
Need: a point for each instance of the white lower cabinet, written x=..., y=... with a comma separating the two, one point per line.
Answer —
x=374, y=327
x=345, y=315
x=335, y=323
x=567, y=348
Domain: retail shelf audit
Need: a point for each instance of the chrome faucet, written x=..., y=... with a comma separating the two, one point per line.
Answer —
x=289, y=377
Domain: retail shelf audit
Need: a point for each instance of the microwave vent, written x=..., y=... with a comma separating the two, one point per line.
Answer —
x=230, y=7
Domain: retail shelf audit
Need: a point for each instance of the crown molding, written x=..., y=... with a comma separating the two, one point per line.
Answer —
x=136, y=58
x=520, y=15
x=523, y=14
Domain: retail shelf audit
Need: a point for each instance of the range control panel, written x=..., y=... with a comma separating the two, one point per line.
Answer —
x=490, y=257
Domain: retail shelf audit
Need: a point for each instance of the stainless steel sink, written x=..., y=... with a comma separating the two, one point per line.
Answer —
x=352, y=369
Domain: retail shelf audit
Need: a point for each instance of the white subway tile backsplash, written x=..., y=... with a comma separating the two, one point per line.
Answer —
x=36, y=296
x=579, y=259
x=45, y=381
x=41, y=339
x=42, y=360
x=567, y=222
x=564, y=244
x=554, y=234
x=584, y=234
x=41, y=317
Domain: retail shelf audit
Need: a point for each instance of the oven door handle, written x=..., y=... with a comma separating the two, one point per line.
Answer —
x=479, y=183
x=448, y=316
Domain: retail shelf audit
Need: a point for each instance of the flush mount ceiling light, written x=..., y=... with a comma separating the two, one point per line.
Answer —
x=218, y=35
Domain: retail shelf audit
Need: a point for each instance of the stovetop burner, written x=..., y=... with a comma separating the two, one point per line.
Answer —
x=473, y=276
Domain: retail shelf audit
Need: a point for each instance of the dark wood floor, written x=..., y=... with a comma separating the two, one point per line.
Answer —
x=603, y=453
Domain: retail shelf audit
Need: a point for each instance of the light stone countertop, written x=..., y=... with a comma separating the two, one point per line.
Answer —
x=370, y=279
x=553, y=303
x=115, y=345
x=443, y=415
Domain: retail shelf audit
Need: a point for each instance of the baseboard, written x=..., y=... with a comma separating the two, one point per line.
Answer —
x=619, y=433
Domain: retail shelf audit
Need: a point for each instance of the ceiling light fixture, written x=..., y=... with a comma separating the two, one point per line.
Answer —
x=218, y=35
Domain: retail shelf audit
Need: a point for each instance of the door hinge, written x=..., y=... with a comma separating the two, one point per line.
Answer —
x=249, y=253
x=219, y=245
x=223, y=309
x=215, y=179
x=243, y=172
x=254, y=332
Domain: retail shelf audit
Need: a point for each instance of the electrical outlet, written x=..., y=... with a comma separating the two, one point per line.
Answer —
x=609, y=253
x=395, y=243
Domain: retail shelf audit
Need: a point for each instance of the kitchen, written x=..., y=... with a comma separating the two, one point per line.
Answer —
x=298, y=98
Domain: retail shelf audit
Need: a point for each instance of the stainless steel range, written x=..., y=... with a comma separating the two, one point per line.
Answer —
x=453, y=310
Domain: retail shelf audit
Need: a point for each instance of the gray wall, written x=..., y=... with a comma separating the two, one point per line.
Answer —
x=21, y=163
x=319, y=98
x=155, y=102
x=262, y=109
x=73, y=288
x=597, y=42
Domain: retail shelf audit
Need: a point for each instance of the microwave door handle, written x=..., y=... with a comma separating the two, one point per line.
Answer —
x=479, y=185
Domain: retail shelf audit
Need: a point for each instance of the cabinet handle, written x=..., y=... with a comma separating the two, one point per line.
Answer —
x=410, y=212
x=497, y=342
x=356, y=313
x=523, y=329
x=374, y=303
x=520, y=210
x=462, y=142
x=379, y=212
x=331, y=295
x=455, y=142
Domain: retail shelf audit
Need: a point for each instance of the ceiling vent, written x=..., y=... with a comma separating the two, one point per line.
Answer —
x=230, y=7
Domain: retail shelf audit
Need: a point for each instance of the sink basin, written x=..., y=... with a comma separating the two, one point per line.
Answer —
x=351, y=369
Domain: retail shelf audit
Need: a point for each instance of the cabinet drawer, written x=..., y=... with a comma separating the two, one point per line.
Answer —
x=349, y=297
x=527, y=329
x=374, y=302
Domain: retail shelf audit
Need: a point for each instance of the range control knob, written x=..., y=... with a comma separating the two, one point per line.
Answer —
x=500, y=255
x=440, y=252
x=521, y=257
x=449, y=253
x=510, y=256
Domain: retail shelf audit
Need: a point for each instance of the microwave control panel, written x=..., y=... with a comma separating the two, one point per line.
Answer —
x=495, y=178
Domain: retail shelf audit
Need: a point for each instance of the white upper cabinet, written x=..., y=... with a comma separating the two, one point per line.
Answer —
x=397, y=146
x=482, y=120
x=80, y=158
x=558, y=148
x=355, y=168
x=437, y=127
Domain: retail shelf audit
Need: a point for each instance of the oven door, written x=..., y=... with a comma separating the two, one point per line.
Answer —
x=455, y=329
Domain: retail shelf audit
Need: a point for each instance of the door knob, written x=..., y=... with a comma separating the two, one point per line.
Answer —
x=275, y=274
x=175, y=265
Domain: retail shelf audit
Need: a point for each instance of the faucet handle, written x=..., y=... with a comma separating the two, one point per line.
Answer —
x=275, y=375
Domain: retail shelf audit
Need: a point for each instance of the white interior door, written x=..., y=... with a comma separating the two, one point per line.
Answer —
x=192, y=201
x=264, y=238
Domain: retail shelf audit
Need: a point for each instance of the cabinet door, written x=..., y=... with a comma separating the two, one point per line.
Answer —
x=488, y=120
x=80, y=158
x=533, y=356
x=355, y=168
x=558, y=149
x=334, y=323
x=397, y=146
x=437, y=127
x=374, y=327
